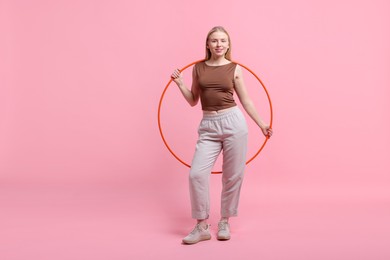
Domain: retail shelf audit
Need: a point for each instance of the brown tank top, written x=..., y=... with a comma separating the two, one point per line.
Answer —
x=216, y=85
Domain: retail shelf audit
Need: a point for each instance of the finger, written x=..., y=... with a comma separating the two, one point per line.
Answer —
x=175, y=73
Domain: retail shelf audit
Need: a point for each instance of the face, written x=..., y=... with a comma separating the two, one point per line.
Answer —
x=218, y=43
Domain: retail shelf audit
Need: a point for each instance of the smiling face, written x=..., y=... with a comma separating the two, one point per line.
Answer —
x=218, y=44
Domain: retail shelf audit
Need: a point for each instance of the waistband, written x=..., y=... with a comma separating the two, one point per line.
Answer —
x=213, y=115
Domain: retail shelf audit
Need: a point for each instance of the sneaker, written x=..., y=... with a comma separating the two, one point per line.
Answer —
x=198, y=234
x=223, y=231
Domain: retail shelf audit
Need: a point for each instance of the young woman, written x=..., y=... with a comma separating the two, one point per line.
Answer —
x=223, y=128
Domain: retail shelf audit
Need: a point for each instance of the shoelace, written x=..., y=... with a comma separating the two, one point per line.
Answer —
x=198, y=228
x=222, y=225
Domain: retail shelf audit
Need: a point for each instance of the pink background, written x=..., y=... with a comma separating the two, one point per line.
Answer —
x=84, y=173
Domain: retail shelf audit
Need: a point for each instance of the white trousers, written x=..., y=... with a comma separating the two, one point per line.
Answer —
x=228, y=132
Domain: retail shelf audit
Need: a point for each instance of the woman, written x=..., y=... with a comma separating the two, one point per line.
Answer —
x=223, y=128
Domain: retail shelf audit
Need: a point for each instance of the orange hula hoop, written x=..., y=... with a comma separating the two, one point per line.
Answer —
x=162, y=98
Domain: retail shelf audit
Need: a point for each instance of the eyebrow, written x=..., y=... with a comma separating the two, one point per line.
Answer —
x=225, y=38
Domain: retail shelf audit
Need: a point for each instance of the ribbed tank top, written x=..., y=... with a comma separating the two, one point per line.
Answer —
x=216, y=85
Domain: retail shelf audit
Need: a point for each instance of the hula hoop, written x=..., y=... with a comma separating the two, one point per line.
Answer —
x=162, y=98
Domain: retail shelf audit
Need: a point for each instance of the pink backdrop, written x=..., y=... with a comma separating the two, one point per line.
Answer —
x=84, y=173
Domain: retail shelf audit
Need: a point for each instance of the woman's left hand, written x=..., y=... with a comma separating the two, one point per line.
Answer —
x=267, y=131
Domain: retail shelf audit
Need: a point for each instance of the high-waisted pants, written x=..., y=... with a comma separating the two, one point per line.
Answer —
x=226, y=131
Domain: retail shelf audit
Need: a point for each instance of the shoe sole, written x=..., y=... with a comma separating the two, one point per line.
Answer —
x=223, y=238
x=194, y=242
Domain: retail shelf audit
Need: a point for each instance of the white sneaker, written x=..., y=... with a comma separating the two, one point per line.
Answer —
x=223, y=231
x=198, y=234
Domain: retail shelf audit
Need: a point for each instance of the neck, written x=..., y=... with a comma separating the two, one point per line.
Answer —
x=217, y=60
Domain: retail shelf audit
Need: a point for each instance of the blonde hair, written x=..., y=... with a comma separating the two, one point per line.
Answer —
x=228, y=54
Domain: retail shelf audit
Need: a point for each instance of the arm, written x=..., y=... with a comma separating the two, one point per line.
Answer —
x=192, y=96
x=247, y=103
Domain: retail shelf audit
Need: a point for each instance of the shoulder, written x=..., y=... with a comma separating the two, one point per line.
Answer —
x=199, y=64
x=197, y=68
x=237, y=71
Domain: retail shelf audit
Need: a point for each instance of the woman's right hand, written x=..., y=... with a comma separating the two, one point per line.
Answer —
x=177, y=77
